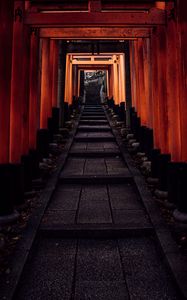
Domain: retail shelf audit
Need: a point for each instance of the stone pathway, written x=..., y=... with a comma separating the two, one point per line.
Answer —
x=96, y=240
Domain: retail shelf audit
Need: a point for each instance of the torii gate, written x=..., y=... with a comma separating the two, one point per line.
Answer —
x=151, y=29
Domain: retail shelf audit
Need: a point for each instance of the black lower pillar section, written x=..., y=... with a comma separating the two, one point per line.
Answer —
x=182, y=189
x=163, y=160
x=35, y=159
x=43, y=139
x=6, y=201
x=11, y=187
x=173, y=178
x=27, y=168
x=154, y=154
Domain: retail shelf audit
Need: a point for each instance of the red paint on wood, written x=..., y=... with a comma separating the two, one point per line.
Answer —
x=17, y=81
x=34, y=90
x=6, y=24
x=46, y=101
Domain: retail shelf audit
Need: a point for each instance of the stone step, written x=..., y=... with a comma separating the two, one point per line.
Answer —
x=104, y=231
x=95, y=179
x=92, y=153
x=94, y=128
x=93, y=122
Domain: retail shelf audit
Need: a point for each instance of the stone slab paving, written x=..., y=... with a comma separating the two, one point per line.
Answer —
x=96, y=204
x=95, y=269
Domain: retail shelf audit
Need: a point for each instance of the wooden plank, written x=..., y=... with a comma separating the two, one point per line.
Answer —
x=95, y=32
x=152, y=17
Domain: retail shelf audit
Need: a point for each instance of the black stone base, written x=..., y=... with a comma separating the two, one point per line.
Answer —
x=163, y=160
x=11, y=187
x=43, y=140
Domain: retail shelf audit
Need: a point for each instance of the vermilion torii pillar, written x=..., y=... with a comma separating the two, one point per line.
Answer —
x=182, y=40
x=17, y=84
x=162, y=90
x=46, y=101
x=143, y=113
x=25, y=91
x=137, y=74
x=172, y=76
x=6, y=25
x=155, y=96
x=34, y=108
x=54, y=52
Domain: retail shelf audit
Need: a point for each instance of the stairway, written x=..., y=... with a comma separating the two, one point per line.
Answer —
x=96, y=240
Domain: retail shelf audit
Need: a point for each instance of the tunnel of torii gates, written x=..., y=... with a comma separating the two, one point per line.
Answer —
x=32, y=56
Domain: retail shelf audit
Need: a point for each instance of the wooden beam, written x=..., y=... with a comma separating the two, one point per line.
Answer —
x=95, y=32
x=152, y=17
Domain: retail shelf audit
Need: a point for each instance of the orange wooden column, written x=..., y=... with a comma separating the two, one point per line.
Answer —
x=155, y=96
x=148, y=82
x=132, y=73
x=162, y=90
x=69, y=80
x=17, y=82
x=46, y=101
x=111, y=82
x=75, y=80
x=173, y=91
x=137, y=80
x=6, y=26
x=54, y=52
x=25, y=91
x=143, y=112
x=115, y=80
x=34, y=89
x=182, y=41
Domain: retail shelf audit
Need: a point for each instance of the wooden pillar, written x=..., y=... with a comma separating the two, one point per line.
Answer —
x=143, y=112
x=107, y=83
x=17, y=83
x=136, y=69
x=182, y=60
x=115, y=80
x=162, y=91
x=6, y=26
x=34, y=108
x=147, y=82
x=173, y=91
x=25, y=91
x=54, y=52
x=133, y=74
x=122, y=78
x=46, y=101
x=69, y=78
x=111, y=81
x=75, y=80
x=155, y=96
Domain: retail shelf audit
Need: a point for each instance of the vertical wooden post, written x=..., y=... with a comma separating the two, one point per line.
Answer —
x=46, y=102
x=162, y=91
x=54, y=52
x=107, y=83
x=136, y=69
x=173, y=91
x=33, y=88
x=148, y=81
x=69, y=80
x=111, y=81
x=25, y=91
x=154, y=71
x=116, y=80
x=122, y=78
x=6, y=27
x=182, y=60
x=17, y=81
x=143, y=100
x=133, y=73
